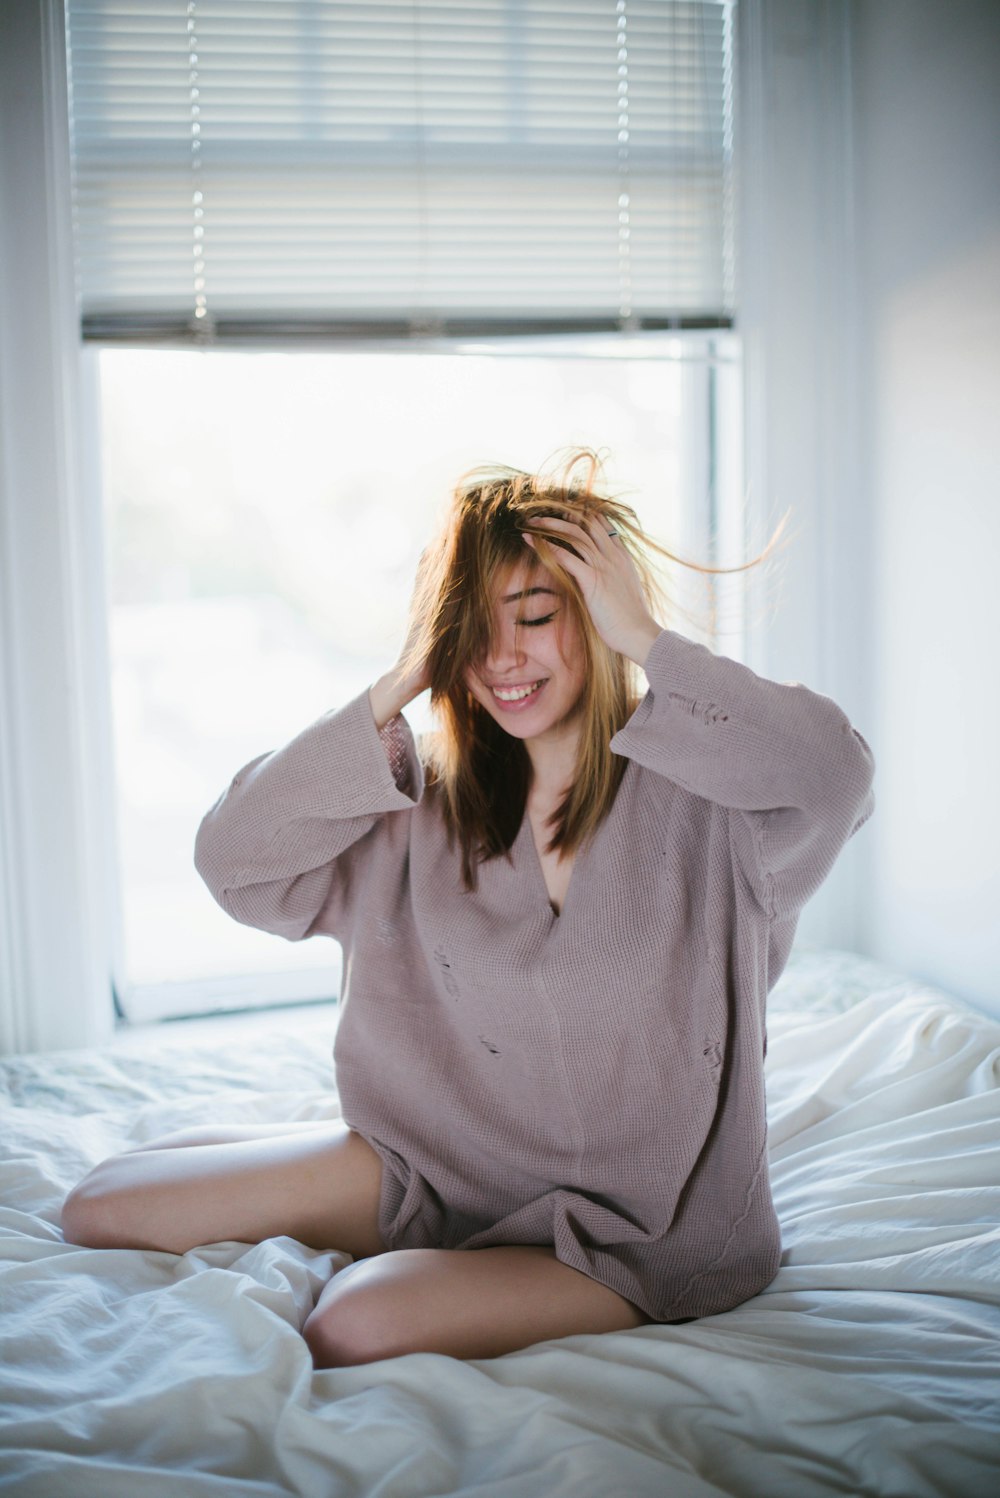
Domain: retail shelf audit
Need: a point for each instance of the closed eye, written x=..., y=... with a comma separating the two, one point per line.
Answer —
x=546, y=619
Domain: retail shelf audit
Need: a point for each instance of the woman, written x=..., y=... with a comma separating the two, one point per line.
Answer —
x=560, y=923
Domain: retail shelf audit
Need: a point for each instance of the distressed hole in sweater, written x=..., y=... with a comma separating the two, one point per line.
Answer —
x=683, y=702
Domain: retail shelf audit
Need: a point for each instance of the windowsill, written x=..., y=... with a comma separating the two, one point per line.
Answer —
x=315, y=1021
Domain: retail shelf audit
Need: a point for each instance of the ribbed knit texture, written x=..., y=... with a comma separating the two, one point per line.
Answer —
x=595, y=1079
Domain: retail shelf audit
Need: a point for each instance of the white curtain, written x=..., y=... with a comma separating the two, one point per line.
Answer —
x=57, y=928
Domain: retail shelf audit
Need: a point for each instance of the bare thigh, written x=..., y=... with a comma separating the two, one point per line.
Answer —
x=225, y=1134
x=317, y=1182
x=466, y=1303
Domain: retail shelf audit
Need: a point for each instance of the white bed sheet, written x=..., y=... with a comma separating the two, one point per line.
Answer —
x=870, y=1366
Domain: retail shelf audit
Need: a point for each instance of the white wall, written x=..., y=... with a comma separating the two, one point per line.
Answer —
x=926, y=90
x=796, y=299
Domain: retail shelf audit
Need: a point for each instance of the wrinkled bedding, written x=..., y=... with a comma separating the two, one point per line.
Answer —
x=870, y=1365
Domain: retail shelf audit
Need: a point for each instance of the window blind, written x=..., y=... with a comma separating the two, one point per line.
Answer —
x=279, y=166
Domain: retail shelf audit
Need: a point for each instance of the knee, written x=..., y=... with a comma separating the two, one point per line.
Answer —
x=89, y=1218
x=357, y=1321
x=79, y=1216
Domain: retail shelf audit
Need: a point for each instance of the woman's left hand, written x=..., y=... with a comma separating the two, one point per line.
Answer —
x=608, y=580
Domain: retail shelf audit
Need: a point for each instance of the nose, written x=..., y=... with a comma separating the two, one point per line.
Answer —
x=506, y=650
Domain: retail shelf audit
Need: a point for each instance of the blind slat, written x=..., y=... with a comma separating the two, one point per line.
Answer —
x=515, y=161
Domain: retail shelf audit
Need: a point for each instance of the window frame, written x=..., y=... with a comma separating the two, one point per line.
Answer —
x=710, y=535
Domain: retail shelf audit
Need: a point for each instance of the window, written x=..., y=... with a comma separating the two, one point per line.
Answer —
x=330, y=256
x=264, y=514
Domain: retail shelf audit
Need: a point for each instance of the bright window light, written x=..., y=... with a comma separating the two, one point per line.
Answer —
x=264, y=514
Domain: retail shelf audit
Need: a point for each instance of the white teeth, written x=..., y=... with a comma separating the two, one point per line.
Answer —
x=515, y=694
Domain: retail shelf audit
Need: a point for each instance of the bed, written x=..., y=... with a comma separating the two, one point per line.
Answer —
x=870, y=1366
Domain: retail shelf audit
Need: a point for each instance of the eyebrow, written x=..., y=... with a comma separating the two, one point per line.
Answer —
x=512, y=597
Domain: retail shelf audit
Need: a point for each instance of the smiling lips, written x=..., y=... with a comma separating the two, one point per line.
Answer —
x=518, y=696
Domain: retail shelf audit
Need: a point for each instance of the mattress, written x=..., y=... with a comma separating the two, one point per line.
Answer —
x=870, y=1365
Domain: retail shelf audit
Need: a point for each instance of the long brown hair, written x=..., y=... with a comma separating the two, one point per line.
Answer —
x=482, y=773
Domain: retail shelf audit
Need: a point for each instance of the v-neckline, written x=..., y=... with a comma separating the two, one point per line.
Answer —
x=583, y=851
x=527, y=833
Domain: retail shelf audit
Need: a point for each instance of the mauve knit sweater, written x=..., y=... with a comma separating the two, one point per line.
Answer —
x=592, y=1080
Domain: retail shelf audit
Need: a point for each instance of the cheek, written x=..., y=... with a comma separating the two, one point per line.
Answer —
x=474, y=685
x=569, y=643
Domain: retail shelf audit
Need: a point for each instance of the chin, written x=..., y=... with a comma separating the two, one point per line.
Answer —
x=559, y=702
x=532, y=726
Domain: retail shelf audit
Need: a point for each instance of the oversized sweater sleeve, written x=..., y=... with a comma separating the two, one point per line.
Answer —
x=281, y=844
x=796, y=776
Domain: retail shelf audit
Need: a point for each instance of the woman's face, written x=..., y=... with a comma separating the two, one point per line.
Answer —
x=532, y=677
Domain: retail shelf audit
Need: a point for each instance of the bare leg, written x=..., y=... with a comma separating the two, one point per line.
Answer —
x=476, y=1303
x=225, y=1134
x=317, y=1183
